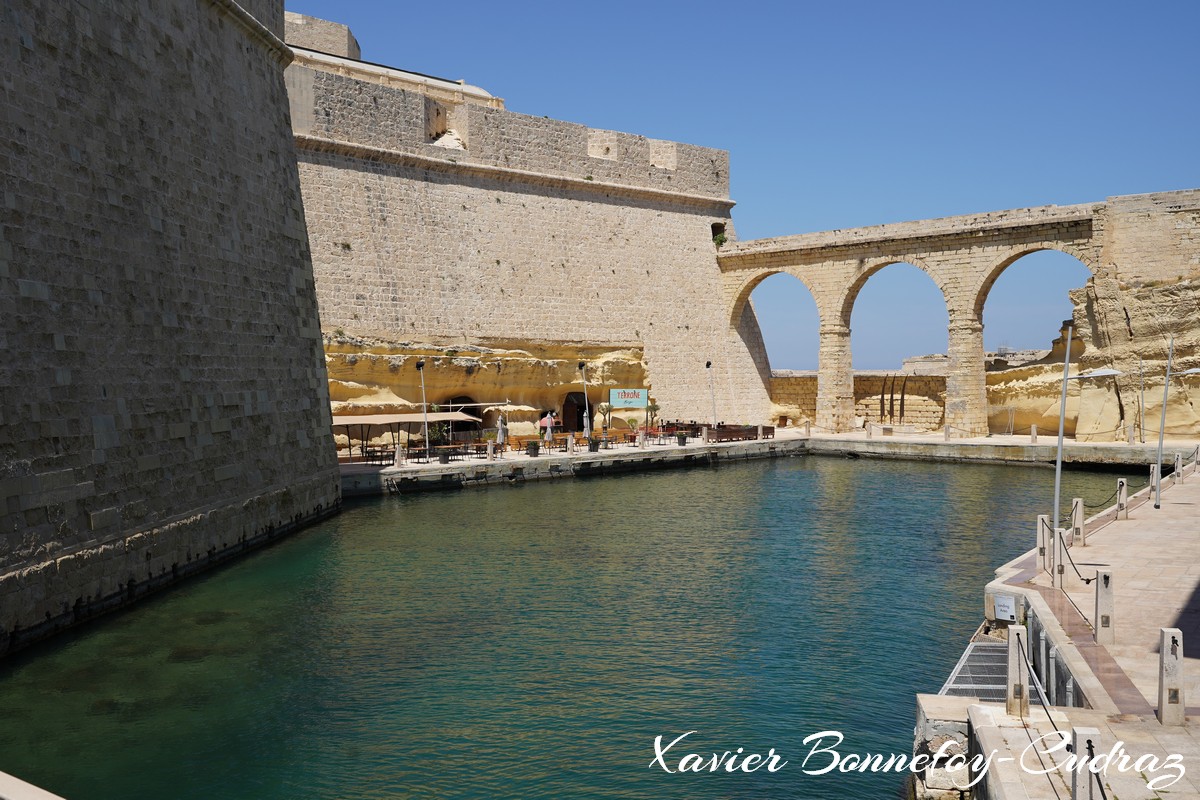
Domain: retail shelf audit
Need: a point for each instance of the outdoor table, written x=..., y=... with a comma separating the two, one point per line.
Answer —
x=453, y=452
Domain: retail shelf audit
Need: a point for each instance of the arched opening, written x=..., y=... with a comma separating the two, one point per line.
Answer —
x=466, y=404
x=1023, y=305
x=897, y=313
x=788, y=324
x=899, y=345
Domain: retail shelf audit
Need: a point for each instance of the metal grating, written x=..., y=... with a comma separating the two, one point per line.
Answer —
x=981, y=672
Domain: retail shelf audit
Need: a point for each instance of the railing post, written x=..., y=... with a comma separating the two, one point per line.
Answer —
x=946, y=432
x=807, y=428
x=1043, y=647
x=1016, y=700
x=1177, y=477
x=1153, y=478
x=1043, y=541
x=1059, y=576
x=1122, y=498
x=1106, y=623
x=1033, y=434
x=1051, y=682
x=491, y=454
x=868, y=430
x=1081, y=776
x=1132, y=433
x=1172, y=704
x=1077, y=534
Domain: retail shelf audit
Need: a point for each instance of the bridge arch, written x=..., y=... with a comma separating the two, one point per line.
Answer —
x=870, y=268
x=747, y=288
x=990, y=277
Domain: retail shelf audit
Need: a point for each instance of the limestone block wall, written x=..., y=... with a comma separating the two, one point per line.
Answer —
x=794, y=395
x=163, y=397
x=320, y=34
x=539, y=231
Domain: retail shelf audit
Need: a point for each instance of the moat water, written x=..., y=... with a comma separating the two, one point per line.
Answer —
x=531, y=642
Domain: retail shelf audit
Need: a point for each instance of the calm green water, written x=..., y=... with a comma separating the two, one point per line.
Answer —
x=530, y=642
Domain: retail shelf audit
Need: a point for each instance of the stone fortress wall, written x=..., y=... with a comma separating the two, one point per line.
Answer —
x=442, y=222
x=451, y=222
x=163, y=400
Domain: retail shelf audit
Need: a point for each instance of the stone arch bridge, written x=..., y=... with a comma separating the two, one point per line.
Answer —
x=963, y=255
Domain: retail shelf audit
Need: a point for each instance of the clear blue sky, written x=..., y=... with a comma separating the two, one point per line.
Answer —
x=840, y=114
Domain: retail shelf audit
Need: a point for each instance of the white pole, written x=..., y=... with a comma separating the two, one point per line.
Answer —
x=424, y=406
x=1142, y=403
x=587, y=411
x=712, y=392
x=1162, y=424
x=1062, y=416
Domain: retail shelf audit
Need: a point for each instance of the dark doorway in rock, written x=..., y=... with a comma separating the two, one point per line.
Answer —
x=573, y=411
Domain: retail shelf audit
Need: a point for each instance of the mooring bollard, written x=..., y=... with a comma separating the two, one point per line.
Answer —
x=1033, y=434
x=1085, y=745
x=1172, y=704
x=1106, y=630
x=1016, y=699
x=1122, y=498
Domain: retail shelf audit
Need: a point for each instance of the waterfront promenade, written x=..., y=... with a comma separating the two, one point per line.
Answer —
x=1153, y=556
x=510, y=467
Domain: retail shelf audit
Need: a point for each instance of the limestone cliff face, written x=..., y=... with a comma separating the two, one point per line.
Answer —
x=1128, y=330
x=376, y=376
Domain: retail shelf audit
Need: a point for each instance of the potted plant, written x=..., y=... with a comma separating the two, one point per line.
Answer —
x=605, y=411
x=532, y=447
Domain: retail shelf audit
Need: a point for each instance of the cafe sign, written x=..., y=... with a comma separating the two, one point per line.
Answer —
x=628, y=398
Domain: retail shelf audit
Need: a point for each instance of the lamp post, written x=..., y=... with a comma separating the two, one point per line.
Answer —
x=587, y=411
x=424, y=407
x=1142, y=404
x=712, y=392
x=1162, y=424
x=1062, y=414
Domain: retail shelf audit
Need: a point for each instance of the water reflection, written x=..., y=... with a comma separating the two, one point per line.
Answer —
x=530, y=642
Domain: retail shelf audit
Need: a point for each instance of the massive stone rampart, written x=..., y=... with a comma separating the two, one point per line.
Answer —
x=464, y=223
x=163, y=399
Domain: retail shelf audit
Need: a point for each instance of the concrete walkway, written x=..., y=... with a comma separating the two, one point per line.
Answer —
x=1154, y=557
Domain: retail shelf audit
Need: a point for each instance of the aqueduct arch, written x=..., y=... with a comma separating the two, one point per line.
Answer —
x=963, y=256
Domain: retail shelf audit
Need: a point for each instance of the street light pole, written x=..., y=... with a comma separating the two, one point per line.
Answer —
x=424, y=407
x=1142, y=403
x=1162, y=424
x=712, y=392
x=1062, y=417
x=587, y=411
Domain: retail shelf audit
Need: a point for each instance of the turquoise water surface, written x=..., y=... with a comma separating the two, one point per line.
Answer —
x=532, y=641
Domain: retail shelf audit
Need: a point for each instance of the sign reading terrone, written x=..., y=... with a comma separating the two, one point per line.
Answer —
x=628, y=398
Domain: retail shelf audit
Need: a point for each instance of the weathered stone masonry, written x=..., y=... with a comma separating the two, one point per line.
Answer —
x=163, y=400
x=539, y=230
x=1127, y=242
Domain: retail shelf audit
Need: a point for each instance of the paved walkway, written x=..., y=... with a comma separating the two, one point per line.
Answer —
x=1154, y=557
